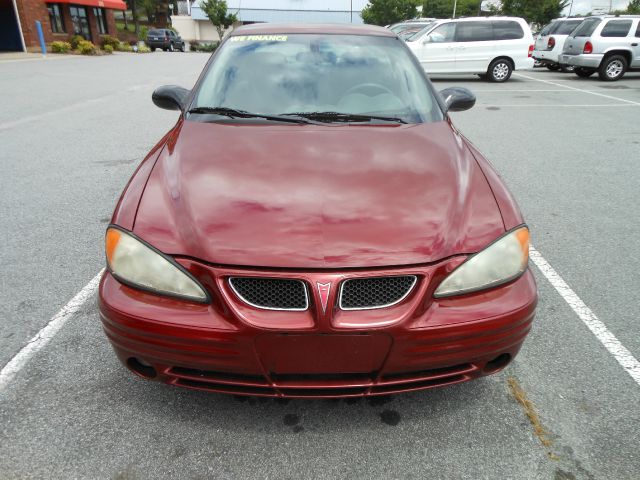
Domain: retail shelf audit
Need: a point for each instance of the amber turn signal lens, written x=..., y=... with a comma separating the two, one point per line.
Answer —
x=111, y=242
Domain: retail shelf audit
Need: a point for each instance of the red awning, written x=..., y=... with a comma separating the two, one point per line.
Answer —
x=113, y=4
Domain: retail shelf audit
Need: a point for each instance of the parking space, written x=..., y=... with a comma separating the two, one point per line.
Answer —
x=568, y=148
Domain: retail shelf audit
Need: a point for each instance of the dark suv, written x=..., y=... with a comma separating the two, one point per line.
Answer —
x=166, y=39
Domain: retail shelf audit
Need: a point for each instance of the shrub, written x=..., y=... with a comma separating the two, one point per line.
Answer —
x=203, y=47
x=75, y=40
x=144, y=49
x=124, y=47
x=113, y=42
x=107, y=49
x=142, y=33
x=60, y=47
x=85, y=47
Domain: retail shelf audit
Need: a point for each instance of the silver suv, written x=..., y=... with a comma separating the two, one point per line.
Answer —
x=608, y=45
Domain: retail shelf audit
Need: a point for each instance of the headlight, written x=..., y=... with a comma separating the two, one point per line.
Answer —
x=502, y=261
x=134, y=262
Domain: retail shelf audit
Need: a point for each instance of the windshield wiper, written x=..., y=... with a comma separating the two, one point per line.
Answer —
x=329, y=117
x=233, y=113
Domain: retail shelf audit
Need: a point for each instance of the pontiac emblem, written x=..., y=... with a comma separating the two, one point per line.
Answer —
x=323, y=291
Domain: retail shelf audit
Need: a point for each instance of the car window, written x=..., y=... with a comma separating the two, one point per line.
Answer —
x=352, y=74
x=507, y=30
x=616, y=28
x=155, y=33
x=443, y=33
x=420, y=33
x=587, y=27
x=474, y=32
x=547, y=28
x=565, y=28
x=638, y=30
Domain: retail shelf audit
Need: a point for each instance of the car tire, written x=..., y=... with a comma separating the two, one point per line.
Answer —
x=552, y=67
x=612, y=68
x=499, y=70
x=584, y=72
x=567, y=68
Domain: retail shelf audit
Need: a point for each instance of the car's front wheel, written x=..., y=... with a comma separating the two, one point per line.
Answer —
x=612, y=68
x=500, y=70
x=552, y=66
x=584, y=72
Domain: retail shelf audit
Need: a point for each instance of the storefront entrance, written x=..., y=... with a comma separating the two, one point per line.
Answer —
x=80, y=21
x=9, y=30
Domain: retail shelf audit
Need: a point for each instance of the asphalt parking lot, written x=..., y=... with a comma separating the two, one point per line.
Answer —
x=71, y=133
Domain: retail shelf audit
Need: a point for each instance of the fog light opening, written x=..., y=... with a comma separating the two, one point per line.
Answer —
x=497, y=363
x=142, y=368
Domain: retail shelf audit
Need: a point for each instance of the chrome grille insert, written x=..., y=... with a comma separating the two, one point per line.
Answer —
x=378, y=292
x=271, y=293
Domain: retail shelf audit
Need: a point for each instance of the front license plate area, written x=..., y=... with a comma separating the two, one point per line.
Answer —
x=322, y=354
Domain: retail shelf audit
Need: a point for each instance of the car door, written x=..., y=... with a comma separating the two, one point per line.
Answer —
x=474, y=46
x=436, y=49
x=635, y=48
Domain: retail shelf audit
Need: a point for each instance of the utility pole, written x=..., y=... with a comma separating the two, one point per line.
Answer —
x=455, y=5
x=351, y=11
x=570, y=8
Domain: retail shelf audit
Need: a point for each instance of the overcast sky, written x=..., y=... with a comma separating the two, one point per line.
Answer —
x=585, y=6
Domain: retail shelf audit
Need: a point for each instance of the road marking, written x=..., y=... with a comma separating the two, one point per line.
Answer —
x=591, y=105
x=599, y=329
x=44, y=336
x=578, y=89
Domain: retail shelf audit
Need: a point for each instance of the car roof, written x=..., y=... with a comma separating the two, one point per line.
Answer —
x=476, y=19
x=312, y=28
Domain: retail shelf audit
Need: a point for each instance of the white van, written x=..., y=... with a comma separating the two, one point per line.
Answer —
x=491, y=47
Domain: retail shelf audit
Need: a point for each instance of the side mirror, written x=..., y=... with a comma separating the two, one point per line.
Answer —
x=170, y=97
x=458, y=99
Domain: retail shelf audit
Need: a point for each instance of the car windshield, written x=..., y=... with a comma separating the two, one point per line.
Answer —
x=156, y=33
x=416, y=35
x=309, y=73
x=565, y=28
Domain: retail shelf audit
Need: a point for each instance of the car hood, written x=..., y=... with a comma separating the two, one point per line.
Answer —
x=307, y=196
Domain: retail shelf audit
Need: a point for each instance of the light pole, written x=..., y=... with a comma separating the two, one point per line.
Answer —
x=351, y=11
x=455, y=5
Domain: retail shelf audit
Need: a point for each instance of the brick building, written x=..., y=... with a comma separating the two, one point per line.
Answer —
x=61, y=19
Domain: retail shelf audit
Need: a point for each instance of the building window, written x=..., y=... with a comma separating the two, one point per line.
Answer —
x=102, y=21
x=80, y=22
x=55, y=18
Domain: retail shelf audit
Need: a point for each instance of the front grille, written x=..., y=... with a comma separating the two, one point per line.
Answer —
x=271, y=293
x=379, y=292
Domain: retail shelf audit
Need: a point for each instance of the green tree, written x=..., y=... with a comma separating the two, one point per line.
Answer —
x=534, y=11
x=444, y=8
x=385, y=12
x=216, y=11
x=634, y=7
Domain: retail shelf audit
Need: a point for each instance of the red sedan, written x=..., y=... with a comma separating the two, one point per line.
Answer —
x=315, y=226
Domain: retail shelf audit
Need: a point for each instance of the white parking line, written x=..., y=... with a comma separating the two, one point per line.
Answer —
x=49, y=331
x=591, y=105
x=548, y=82
x=599, y=329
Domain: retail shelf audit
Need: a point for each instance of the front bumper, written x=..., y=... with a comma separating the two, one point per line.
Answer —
x=583, y=60
x=230, y=347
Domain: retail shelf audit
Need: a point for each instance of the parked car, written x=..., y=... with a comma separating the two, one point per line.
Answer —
x=605, y=44
x=166, y=39
x=319, y=229
x=550, y=42
x=491, y=47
